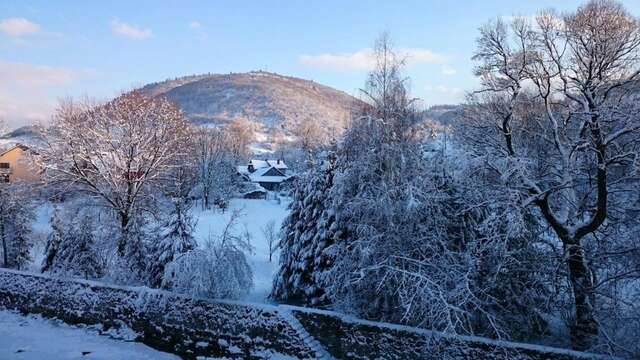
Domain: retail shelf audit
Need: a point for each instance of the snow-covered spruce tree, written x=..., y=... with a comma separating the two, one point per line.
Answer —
x=85, y=262
x=377, y=185
x=76, y=254
x=306, y=234
x=54, y=241
x=177, y=237
x=16, y=215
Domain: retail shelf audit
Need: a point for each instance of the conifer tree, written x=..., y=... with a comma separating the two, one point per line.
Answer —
x=306, y=237
x=54, y=241
x=178, y=237
x=77, y=254
x=85, y=260
x=16, y=215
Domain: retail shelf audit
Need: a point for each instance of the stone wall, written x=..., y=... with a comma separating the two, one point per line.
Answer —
x=191, y=327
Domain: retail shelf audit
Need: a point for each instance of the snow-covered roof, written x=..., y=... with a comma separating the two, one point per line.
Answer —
x=259, y=164
x=16, y=146
x=278, y=164
x=267, y=174
x=268, y=171
x=262, y=166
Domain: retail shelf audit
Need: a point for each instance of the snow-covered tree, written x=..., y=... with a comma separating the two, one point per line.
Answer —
x=216, y=165
x=118, y=152
x=76, y=255
x=556, y=120
x=85, y=261
x=271, y=236
x=476, y=267
x=16, y=215
x=240, y=132
x=219, y=270
x=377, y=184
x=54, y=241
x=177, y=237
x=305, y=237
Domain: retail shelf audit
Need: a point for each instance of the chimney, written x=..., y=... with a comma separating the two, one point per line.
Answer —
x=250, y=167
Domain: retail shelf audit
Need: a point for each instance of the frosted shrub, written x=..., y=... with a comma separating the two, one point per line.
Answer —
x=219, y=270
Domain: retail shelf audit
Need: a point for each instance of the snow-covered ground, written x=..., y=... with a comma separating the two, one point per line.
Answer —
x=256, y=215
x=35, y=338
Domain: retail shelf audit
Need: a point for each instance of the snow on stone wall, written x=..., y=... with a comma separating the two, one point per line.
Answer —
x=349, y=338
x=191, y=327
x=165, y=321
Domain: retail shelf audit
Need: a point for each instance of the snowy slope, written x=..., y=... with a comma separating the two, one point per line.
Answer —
x=35, y=338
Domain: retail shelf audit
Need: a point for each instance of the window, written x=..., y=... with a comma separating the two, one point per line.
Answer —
x=4, y=165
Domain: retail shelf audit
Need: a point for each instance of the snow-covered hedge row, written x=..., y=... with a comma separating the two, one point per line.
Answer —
x=168, y=322
x=190, y=326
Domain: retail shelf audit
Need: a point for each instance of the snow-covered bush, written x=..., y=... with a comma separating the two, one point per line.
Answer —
x=219, y=270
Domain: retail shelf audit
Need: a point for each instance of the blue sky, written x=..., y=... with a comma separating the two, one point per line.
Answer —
x=51, y=49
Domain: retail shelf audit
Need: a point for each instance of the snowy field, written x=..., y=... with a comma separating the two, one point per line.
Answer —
x=35, y=338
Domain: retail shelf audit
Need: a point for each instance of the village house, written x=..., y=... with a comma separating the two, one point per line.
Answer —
x=269, y=174
x=15, y=165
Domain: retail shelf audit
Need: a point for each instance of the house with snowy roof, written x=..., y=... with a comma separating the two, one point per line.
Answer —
x=16, y=165
x=269, y=174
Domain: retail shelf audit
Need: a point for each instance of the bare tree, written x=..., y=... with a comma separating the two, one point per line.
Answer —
x=271, y=236
x=117, y=152
x=556, y=120
x=214, y=153
x=241, y=133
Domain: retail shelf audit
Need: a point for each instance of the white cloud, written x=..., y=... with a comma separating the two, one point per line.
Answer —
x=359, y=60
x=26, y=94
x=195, y=25
x=130, y=31
x=364, y=59
x=448, y=70
x=17, y=27
x=422, y=55
x=443, y=89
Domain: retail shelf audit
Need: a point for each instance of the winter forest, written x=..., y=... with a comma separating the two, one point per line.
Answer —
x=517, y=219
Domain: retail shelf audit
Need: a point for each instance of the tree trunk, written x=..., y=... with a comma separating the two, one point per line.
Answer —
x=124, y=233
x=5, y=257
x=205, y=198
x=585, y=329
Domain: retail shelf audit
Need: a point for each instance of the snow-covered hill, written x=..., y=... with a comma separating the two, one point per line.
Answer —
x=264, y=98
x=28, y=135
